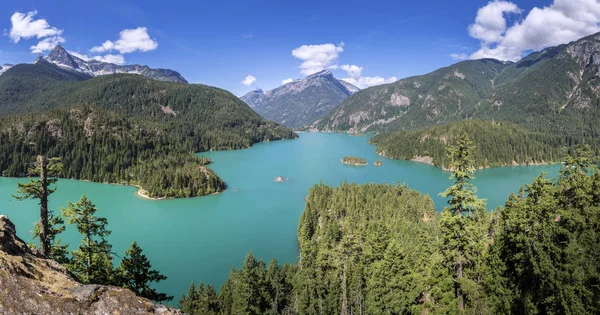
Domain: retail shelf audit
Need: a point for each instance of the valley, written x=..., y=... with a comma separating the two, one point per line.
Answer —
x=469, y=186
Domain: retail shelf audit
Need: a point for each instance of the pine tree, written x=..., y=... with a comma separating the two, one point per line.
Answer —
x=249, y=291
x=188, y=302
x=460, y=221
x=58, y=251
x=40, y=189
x=136, y=273
x=92, y=261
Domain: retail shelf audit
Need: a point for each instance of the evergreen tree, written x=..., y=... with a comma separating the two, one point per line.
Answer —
x=460, y=222
x=40, y=189
x=188, y=302
x=136, y=273
x=92, y=261
x=249, y=292
x=58, y=251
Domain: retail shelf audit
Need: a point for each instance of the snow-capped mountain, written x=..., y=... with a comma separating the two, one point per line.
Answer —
x=60, y=57
x=301, y=102
x=5, y=67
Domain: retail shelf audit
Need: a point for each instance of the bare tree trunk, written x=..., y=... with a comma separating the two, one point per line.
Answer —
x=44, y=242
x=344, y=293
x=459, y=294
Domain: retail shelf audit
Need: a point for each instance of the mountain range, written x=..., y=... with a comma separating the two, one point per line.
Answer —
x=93, y=68
x=302, y=101
x=554, y=89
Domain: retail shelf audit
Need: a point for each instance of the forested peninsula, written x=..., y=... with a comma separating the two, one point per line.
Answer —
x=124, y=129
x=497, y=144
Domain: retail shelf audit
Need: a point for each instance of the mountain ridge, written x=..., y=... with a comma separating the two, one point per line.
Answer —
x=558, y=84
x=300, y=102
x=93, y=68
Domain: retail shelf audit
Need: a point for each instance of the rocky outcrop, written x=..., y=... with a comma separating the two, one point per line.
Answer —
x=32, y=284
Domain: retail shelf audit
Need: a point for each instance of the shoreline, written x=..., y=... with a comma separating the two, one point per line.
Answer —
x=429, y=161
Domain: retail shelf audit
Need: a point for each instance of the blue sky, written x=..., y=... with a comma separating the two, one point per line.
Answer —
x=220, y=43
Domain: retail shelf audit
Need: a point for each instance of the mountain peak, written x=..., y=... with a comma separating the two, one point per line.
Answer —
x=58, y=49
x=62, y=58
x=300, y=102
x=321, y=73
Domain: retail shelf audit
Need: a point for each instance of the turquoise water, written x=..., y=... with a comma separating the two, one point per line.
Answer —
x=200, y=239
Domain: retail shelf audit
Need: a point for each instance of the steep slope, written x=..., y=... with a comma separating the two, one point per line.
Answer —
x=447, y=94
x=300, y=102
x=253, y=98
x=63, y=59
x=32, y=284
x=123, y=128
x=554, y=88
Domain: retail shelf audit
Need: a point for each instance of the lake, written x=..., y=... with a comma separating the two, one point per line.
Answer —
x=200, y=239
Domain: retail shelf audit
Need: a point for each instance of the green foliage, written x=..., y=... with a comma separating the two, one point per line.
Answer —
x=58, y=250
x=382, y=249
x=497, y=144
x=462, y=224
x=200, y=301
x=254, y=289
x=136, y=274
x=548, y=243
x=92, y=261
x=124, y=129
x=40, y=189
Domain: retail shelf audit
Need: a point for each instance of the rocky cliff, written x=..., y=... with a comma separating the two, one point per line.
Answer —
x=32, y=284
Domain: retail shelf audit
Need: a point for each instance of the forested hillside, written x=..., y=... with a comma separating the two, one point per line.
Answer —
x=498, y=144
x=123, y=128
x=548, y=91
x=380, y=249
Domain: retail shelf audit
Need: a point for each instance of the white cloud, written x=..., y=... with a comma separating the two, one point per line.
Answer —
x=286, y=81
x=116, y=59
x=365, y=82
x=317, y=57
x=560, y=23
x=490, y=23
x=46, y=44
x=24, y=26
x=130, y=40
x=461, y=56
x=352, y=70
x=356, y=78
x=249, y=80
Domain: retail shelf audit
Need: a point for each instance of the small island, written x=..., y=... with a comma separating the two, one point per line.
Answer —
x=352, y=160
x=378, y=163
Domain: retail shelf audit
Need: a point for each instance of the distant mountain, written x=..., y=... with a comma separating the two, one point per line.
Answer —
x=59, y=56
x=253, y=98
x=556, y=89
x=301, y=102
